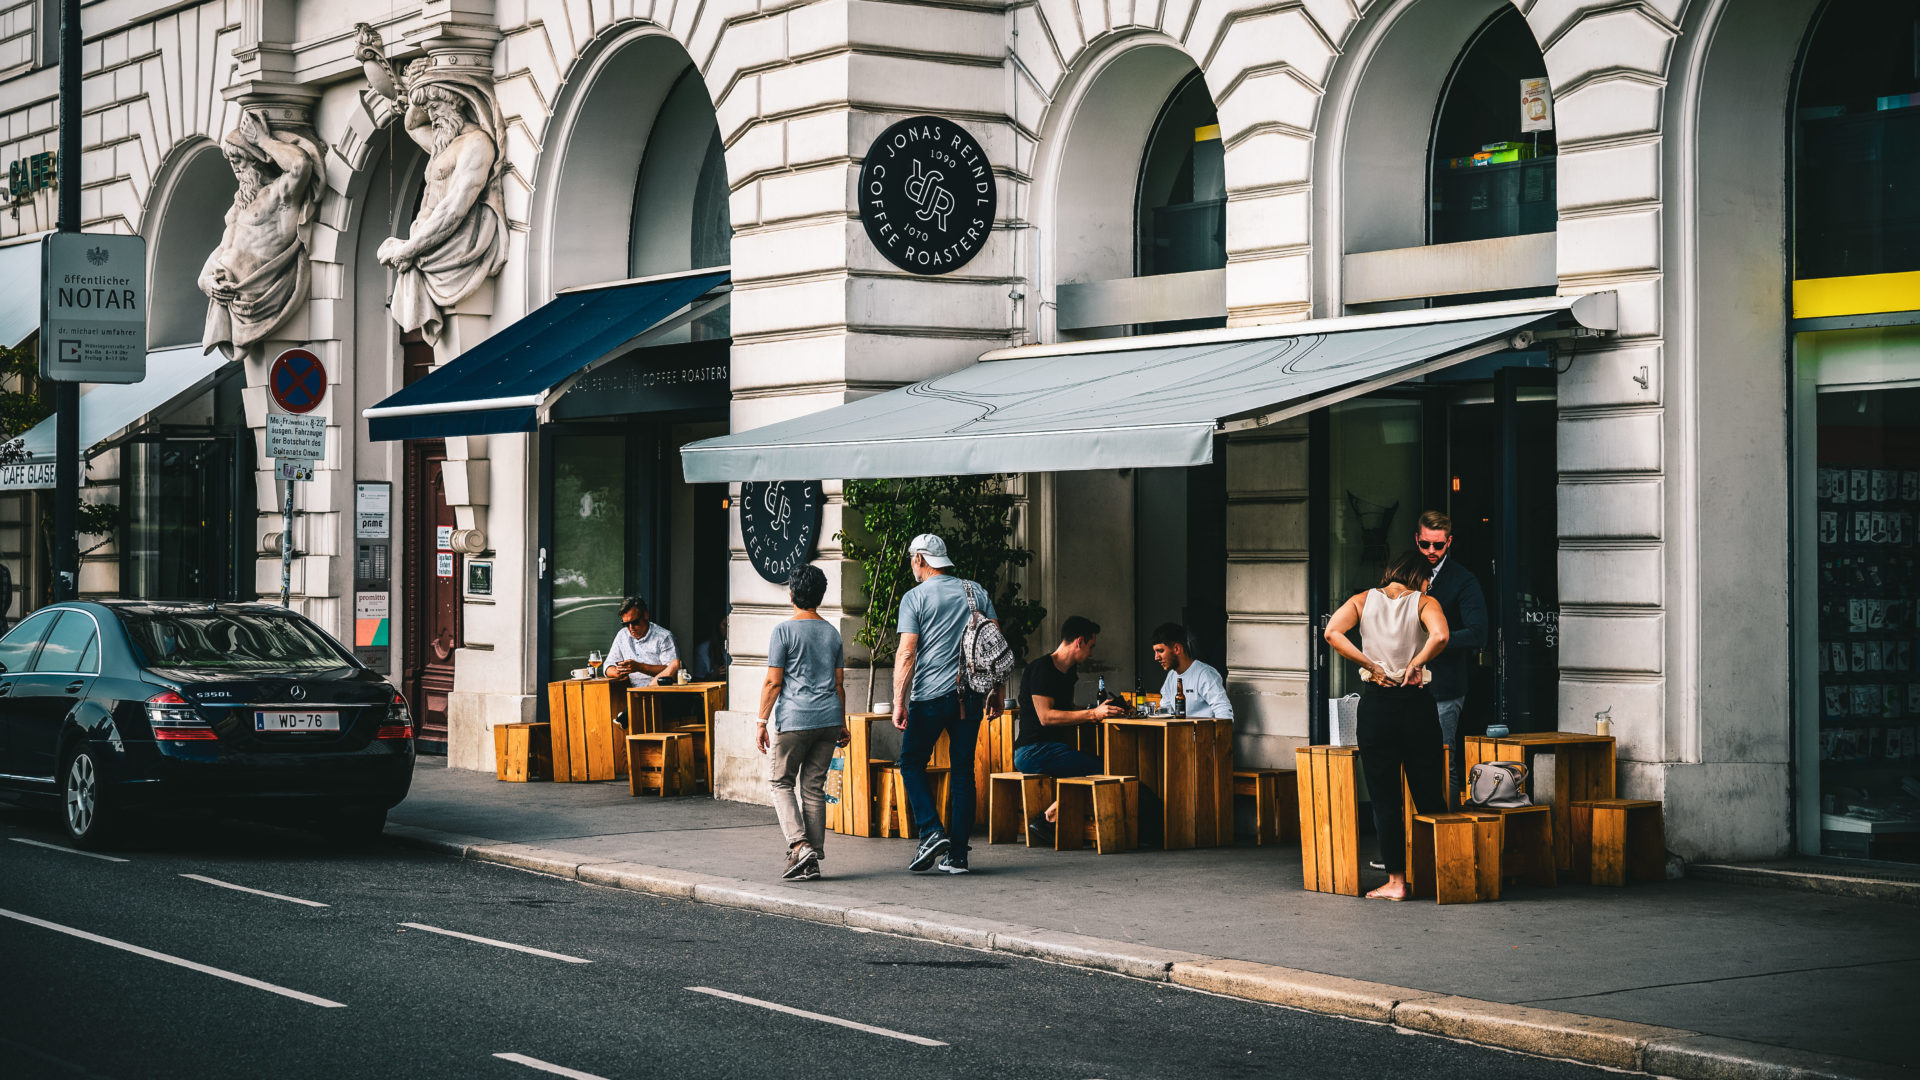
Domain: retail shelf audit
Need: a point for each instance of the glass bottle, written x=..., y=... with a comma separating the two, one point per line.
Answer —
x=1179, y=699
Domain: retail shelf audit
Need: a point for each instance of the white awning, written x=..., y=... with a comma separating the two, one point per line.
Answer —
x=1138, y=402
x=110, y=408
x=19, y=291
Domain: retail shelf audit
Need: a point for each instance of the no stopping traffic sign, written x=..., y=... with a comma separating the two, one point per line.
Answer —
x=297, y=380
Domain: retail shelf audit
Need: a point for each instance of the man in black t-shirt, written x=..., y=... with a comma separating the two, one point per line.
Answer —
x=1044, y=743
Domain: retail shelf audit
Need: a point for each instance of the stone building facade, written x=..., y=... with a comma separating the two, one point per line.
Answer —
x=1672, y=499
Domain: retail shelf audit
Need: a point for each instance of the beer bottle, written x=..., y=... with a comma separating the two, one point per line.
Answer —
x=1180, y=699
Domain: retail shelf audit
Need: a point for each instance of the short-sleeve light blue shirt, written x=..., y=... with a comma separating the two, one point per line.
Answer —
x=937, y=610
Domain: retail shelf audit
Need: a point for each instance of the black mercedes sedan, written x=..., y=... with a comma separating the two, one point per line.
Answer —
x=108, y=709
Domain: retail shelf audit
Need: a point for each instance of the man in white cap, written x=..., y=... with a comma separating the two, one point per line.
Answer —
x=928, y=698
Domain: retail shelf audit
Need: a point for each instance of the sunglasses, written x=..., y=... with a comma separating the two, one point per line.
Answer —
x=632, y=622
x=1428, y=545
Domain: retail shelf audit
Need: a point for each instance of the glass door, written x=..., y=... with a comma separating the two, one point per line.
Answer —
x=1375, y=463
x=587, y=556
x=1857, y=601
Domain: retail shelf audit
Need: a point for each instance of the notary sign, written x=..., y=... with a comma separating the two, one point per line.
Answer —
x=93, y=308
x=927, y=195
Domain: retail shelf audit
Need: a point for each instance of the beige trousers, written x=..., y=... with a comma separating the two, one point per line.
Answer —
x=798, y=771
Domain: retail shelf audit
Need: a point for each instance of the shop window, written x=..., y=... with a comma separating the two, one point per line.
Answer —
x=1181, y=212
x=590, y=546
x=1857, y=142
x=681, y=214
x=1491, y=178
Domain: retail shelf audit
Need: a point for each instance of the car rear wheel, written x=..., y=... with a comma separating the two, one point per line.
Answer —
x=90, y=821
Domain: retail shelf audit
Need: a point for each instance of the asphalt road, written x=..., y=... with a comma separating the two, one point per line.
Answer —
x=350, y=989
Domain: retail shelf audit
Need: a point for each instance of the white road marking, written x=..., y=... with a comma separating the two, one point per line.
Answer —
x=256, y=892
x=175, y=960
x=68, y=850
x=548, y=1066
x=497, y=944
x=823, y=1018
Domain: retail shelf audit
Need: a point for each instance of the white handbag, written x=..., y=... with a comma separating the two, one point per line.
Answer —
x=1498, y=785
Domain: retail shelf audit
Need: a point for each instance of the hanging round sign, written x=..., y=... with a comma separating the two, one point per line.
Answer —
x=927, y=195
x=297, y=380
x=780, y=522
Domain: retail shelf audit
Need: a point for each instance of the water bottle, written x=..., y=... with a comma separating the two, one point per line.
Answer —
x=1101, y=698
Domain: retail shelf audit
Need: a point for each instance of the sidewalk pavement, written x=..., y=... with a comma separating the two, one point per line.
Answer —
x=1690, y=978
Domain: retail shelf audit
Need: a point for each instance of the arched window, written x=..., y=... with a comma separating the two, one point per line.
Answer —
x=1490, y=176
x=681, y=219
x=1181, y=207
x=1856, y=152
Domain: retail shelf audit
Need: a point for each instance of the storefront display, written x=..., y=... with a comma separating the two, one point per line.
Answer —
x=1867, y=500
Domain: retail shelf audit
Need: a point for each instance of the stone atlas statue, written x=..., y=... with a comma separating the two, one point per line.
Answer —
x=259, y=274
x=459, y=237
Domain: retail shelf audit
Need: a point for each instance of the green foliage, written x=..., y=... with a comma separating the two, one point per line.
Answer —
x=19, y=409
x=973, y=514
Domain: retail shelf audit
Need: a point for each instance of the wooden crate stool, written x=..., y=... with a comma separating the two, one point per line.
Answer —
x=1276, y=803
x=896, y=810
x=1098, y=802
x=523, y=752
x=697, y=764
x=659, y=761
x=1456, y=857
x=1526, y=844
x=1013, y=798
x=1617, y=839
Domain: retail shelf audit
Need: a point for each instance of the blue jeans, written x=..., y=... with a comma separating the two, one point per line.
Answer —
x=1449, y=710
x=1055, y=759
x=959, y=717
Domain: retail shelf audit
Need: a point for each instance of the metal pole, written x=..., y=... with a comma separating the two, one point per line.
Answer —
x=66, y=438
x=286, y=548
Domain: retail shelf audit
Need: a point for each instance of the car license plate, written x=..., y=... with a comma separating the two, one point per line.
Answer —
x=296, y=721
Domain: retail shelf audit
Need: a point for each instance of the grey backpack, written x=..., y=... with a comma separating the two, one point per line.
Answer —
x=985, y=657
x=1498, y=785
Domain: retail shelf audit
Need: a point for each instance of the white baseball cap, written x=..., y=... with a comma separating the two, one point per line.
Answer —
x=931, y=548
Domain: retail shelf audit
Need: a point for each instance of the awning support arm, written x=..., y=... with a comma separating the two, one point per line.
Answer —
x=1250, y=423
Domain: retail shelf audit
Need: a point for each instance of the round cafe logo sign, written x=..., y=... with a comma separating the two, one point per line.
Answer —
x=927, y=195
x=780, y=522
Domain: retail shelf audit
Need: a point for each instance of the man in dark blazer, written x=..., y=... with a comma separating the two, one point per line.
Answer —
x=1466, y=610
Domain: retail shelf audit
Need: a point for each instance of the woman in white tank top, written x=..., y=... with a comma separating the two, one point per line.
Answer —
x=1402, y=629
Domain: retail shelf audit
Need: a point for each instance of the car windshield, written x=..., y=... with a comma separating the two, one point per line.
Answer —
x=230, y=641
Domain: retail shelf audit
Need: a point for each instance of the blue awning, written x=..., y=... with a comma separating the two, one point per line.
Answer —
x=505, y=383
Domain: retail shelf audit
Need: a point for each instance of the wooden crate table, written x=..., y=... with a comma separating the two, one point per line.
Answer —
x=1013, y=799
x=649, y=709
x=1583, y=769
x=661, y=762
x=860, y=805
x=1186, y=777
x=587, y=744
x=1329, y=818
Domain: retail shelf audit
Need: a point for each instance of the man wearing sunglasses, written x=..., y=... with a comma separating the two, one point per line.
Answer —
x=1466, y=610
x=643, y=651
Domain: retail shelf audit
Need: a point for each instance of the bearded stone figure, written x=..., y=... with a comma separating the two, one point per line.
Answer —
x=259, y=274
x=459, y=238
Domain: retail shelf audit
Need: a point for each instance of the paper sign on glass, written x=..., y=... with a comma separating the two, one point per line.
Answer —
x=1536, y=105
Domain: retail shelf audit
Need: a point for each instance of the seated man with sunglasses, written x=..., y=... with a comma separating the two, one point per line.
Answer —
x=643, y=651
x=1465, y=607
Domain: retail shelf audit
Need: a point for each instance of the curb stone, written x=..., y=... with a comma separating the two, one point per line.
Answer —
x=1668, y=1052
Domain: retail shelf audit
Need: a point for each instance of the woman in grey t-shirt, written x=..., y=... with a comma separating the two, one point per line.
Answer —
x=805, y=698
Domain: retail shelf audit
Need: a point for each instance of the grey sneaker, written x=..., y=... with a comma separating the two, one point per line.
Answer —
x=930, y=849
x=949, y=864
x=800, y=860
x=810, y=871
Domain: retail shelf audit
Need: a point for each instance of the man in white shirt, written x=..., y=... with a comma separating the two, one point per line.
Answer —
x=1206, y=691
x=643, y=651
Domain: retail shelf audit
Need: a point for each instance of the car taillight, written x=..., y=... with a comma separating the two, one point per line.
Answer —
x=399, y=722
x=174, y=719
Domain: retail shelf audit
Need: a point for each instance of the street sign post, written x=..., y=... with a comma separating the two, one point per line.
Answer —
x=297, y=380
x=93, y=308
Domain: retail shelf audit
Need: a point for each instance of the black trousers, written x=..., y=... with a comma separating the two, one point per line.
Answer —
x=1400, y=728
